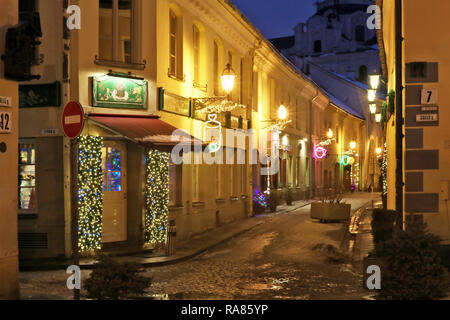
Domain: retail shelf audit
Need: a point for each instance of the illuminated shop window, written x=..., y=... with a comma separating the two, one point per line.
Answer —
x=27, y=176
x=112, y=170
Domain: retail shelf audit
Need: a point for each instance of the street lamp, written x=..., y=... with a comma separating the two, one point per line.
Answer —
x=374, y=80
x=330, y=134
x=228, y=78
x=371, y=95
x=373, y=108
x=282, y=112
x=378, y=117
x=378, y=151
x=353, y=145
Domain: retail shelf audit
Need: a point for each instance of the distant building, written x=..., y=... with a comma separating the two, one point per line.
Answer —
x=336, y=38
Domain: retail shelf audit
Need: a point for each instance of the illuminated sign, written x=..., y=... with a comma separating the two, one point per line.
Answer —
x=320, y=152
x=118, y=92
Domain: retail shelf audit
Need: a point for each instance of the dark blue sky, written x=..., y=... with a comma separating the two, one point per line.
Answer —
x=276, y=18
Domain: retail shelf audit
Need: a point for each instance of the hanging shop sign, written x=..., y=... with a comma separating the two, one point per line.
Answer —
x=320, y=152
x=40, y=95
x=173, y=103
x=5, y=122
x=118, y=92
x=212, y=133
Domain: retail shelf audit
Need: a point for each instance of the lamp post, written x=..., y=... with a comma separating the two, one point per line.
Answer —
x=228, y=77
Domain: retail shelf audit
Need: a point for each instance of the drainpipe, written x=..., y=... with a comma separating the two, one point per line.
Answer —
x=399, y=110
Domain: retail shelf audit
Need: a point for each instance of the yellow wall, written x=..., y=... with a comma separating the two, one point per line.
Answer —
x=424, y=41
x=9, y=269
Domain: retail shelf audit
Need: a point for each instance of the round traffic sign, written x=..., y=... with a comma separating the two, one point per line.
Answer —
x=73, y=119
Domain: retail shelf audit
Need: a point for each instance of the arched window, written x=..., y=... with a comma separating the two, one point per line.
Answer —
x=362, y=74
x=317, y=46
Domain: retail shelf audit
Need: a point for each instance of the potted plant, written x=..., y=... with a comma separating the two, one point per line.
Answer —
x=259, y=202
x=330, y=207
x=289, y=196
x=273, y=200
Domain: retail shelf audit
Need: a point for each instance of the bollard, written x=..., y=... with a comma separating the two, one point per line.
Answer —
x=171, y=238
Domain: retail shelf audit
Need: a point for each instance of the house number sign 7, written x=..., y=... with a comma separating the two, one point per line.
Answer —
x=429, y=96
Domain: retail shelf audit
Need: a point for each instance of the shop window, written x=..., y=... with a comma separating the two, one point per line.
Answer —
x=175, y=184
x=195, y=183
x=27, y=177
x=175, y=46
x=117, y=30
x=112, y=169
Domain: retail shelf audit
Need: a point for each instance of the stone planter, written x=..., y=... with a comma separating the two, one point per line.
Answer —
x=330, y=211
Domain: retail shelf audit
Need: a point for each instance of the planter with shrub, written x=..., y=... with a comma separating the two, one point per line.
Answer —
x=330, y=207
x=382, y=226
x=289, y=196
x=259, y=202
x=113, y=280
x=410, y=265
x=273, y=200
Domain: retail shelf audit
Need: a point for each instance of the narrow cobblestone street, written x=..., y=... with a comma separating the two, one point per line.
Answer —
x=289, y=256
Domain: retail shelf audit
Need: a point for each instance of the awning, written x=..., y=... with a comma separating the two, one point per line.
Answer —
x=149, y=131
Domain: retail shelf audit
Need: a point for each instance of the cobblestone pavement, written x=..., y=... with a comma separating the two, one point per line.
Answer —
x=287, y=257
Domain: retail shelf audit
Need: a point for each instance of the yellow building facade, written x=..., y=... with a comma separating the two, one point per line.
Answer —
x=142, y=70
x=9, y=132
x=426, y=166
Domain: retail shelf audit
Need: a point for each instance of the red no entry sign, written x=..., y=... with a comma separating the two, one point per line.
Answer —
x=73, y=119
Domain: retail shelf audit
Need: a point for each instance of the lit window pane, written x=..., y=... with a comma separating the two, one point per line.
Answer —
x=114, y=181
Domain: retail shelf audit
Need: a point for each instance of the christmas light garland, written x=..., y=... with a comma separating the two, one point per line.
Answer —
x=384, y=170
x=156, y=197
x=90, y=192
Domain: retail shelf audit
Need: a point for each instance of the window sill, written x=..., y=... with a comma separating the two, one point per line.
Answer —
x=220, y=200
x=198, y=204
x=244, y=197
x=234, y=198
x=175, y=208
x=120, y=64
x=176, y=77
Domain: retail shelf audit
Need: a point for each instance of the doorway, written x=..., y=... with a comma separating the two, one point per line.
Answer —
x=114, y=224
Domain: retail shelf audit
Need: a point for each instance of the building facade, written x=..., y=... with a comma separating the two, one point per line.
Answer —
x=9, y=122
x=148, y=75
x=424, y=66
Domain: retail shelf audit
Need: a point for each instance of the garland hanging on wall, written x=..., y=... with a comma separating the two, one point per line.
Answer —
x=384, y=170
x=90, y=192
x=156, y=196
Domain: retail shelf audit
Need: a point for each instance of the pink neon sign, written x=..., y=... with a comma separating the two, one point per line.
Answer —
x=320, y=152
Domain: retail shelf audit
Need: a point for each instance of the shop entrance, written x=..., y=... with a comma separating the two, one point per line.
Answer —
x=114, y=224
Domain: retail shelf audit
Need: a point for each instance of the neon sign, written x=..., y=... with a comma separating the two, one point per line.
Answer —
x=320, y=153
x=345, y=160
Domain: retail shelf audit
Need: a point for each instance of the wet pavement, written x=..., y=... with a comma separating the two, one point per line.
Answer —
x=288, y=256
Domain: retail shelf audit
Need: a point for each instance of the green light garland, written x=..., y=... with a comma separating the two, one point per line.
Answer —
x=90, y=192
x=384, y=170
x=156, y=197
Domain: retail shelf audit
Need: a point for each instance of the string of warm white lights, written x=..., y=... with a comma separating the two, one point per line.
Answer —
x=157, y=197
x=90, y=192
x=225, y=106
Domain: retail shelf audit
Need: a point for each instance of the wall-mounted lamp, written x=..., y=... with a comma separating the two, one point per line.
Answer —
x=373, y=108
x=374, y=80
x=228, y=78
x=353, y=145
x=378, y=117
x=371, y=95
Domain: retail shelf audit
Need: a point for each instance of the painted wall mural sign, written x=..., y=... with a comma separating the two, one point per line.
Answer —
x=118, y=92
x=320, y=152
